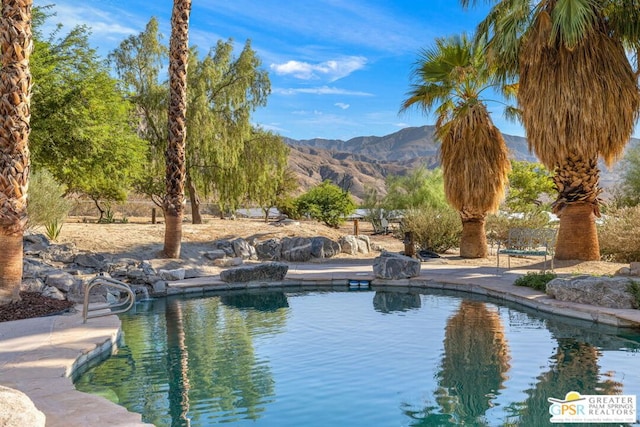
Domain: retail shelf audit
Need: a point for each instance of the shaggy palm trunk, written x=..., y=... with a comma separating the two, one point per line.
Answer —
x=473, y=242
x=175, y=155
x=16, y=44
x=576, y=180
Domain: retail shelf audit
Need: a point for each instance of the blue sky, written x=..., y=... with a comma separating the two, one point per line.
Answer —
x=338, y=68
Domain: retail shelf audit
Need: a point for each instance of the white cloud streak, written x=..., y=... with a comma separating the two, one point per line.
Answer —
x=331, y=70
x=323, y=90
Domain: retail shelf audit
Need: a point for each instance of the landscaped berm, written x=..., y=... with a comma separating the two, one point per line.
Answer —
x=138, y=238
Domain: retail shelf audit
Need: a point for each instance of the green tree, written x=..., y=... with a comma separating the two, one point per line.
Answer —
x=137, y=62
x=264, y=163
x=528, y=184
x=419, y=189
x=224, y=90
x=15, y=87
x=173, y=204
x=578, y=94
x=449, y=79
x=629, y=189
x=326, y=202
x=81, y=127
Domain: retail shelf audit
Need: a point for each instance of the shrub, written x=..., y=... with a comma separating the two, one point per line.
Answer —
x=619, y=235
x=497, y=226
x=327, y=203
x=47, y=205
x=634, y=289
x=434, y=229
x=535, y=280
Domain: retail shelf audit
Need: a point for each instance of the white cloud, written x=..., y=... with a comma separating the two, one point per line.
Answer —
x=342, y=105
x=322, y=90
x=332, y=70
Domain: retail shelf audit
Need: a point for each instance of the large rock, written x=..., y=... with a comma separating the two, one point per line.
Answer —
x=609, y=292
x=269, y=272
x=17, y=410
x=395, y=266
x=323, y=247
x=269, y=249
x=243, y=249
x=353, y=245
x=61, y=280
x=295, y=249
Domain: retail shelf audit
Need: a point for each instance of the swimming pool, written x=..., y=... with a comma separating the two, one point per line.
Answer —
x=390, y=357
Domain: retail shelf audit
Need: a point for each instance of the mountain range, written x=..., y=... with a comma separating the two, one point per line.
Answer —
x=366, y=161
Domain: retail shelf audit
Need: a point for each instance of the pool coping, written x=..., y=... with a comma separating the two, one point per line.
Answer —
x=40, y=356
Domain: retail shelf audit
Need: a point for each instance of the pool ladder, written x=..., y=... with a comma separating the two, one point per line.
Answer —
x=108, y=308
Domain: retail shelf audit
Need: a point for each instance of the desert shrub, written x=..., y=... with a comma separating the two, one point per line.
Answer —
x=535, y=280
x=287, y=206
x=327, y=203
x=497, y=226
x=434, y=229
x=619, y=235
x=47, y=205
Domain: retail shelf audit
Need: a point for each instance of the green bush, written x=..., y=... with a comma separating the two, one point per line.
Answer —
x=327, y=203
x=287, y=206
x=434, y=229
x=47, y=205
x=497, y=226
x=535, y=280
x=619, y=235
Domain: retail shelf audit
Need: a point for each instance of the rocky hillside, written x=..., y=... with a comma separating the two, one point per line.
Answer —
x=366, y=161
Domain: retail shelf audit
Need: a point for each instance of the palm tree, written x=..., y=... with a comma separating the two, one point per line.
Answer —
x=15, y=92
x=450, y=78
x=577, y=92
x=175, y=155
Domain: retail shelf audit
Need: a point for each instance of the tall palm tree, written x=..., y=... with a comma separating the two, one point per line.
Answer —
x=16, y=44
x=577, y=92
x=449, y=78
x=175, y=155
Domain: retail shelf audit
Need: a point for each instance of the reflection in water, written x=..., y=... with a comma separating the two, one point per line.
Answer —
x=476, y=358
x=177, y=366
x=387, y=301
x=575, y=368
x=263, y=301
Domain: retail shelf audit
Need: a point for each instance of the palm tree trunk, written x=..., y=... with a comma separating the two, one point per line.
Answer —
x=175, y=155
x=473, y=242
x=15, y=87
x=577, y=234
x=577, y=206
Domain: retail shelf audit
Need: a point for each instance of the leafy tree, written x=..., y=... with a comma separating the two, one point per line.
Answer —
x=15, y=87
x=629, y=191
x=264, y=163
x=528, y=183
x=326, y=202
x=138, y=62
x=420, y=189
x=81, y=127
x=578, y=94
x=224, y=91
x=449, y=79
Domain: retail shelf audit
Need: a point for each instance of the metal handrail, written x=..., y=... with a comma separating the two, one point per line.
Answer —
x=114, y=308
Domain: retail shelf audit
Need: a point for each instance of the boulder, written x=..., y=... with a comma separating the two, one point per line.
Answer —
x=609, y=292
x=242, y=249
x=296, y=249
x=61, y=280
x=226, y=246
x=53, y=293
x=269, y=272
x=215, y=254
x=31, y=285
x=269, y=250
x=323, y=247
x=349, y=244
x=228, y=262
x=172, y=275
x=17, y=410
x=95, y=261
x=395, y=266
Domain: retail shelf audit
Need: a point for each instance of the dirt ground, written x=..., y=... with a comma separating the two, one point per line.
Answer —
x=139, y=238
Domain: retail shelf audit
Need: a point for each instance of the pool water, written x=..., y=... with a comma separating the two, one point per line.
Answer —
x=385, y=358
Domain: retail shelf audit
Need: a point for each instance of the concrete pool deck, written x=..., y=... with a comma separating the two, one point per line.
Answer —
x=38, y=356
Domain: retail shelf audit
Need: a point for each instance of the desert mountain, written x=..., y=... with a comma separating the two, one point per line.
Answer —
x=366, y=161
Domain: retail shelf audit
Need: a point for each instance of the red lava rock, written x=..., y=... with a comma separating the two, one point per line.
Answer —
x=33, y=304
